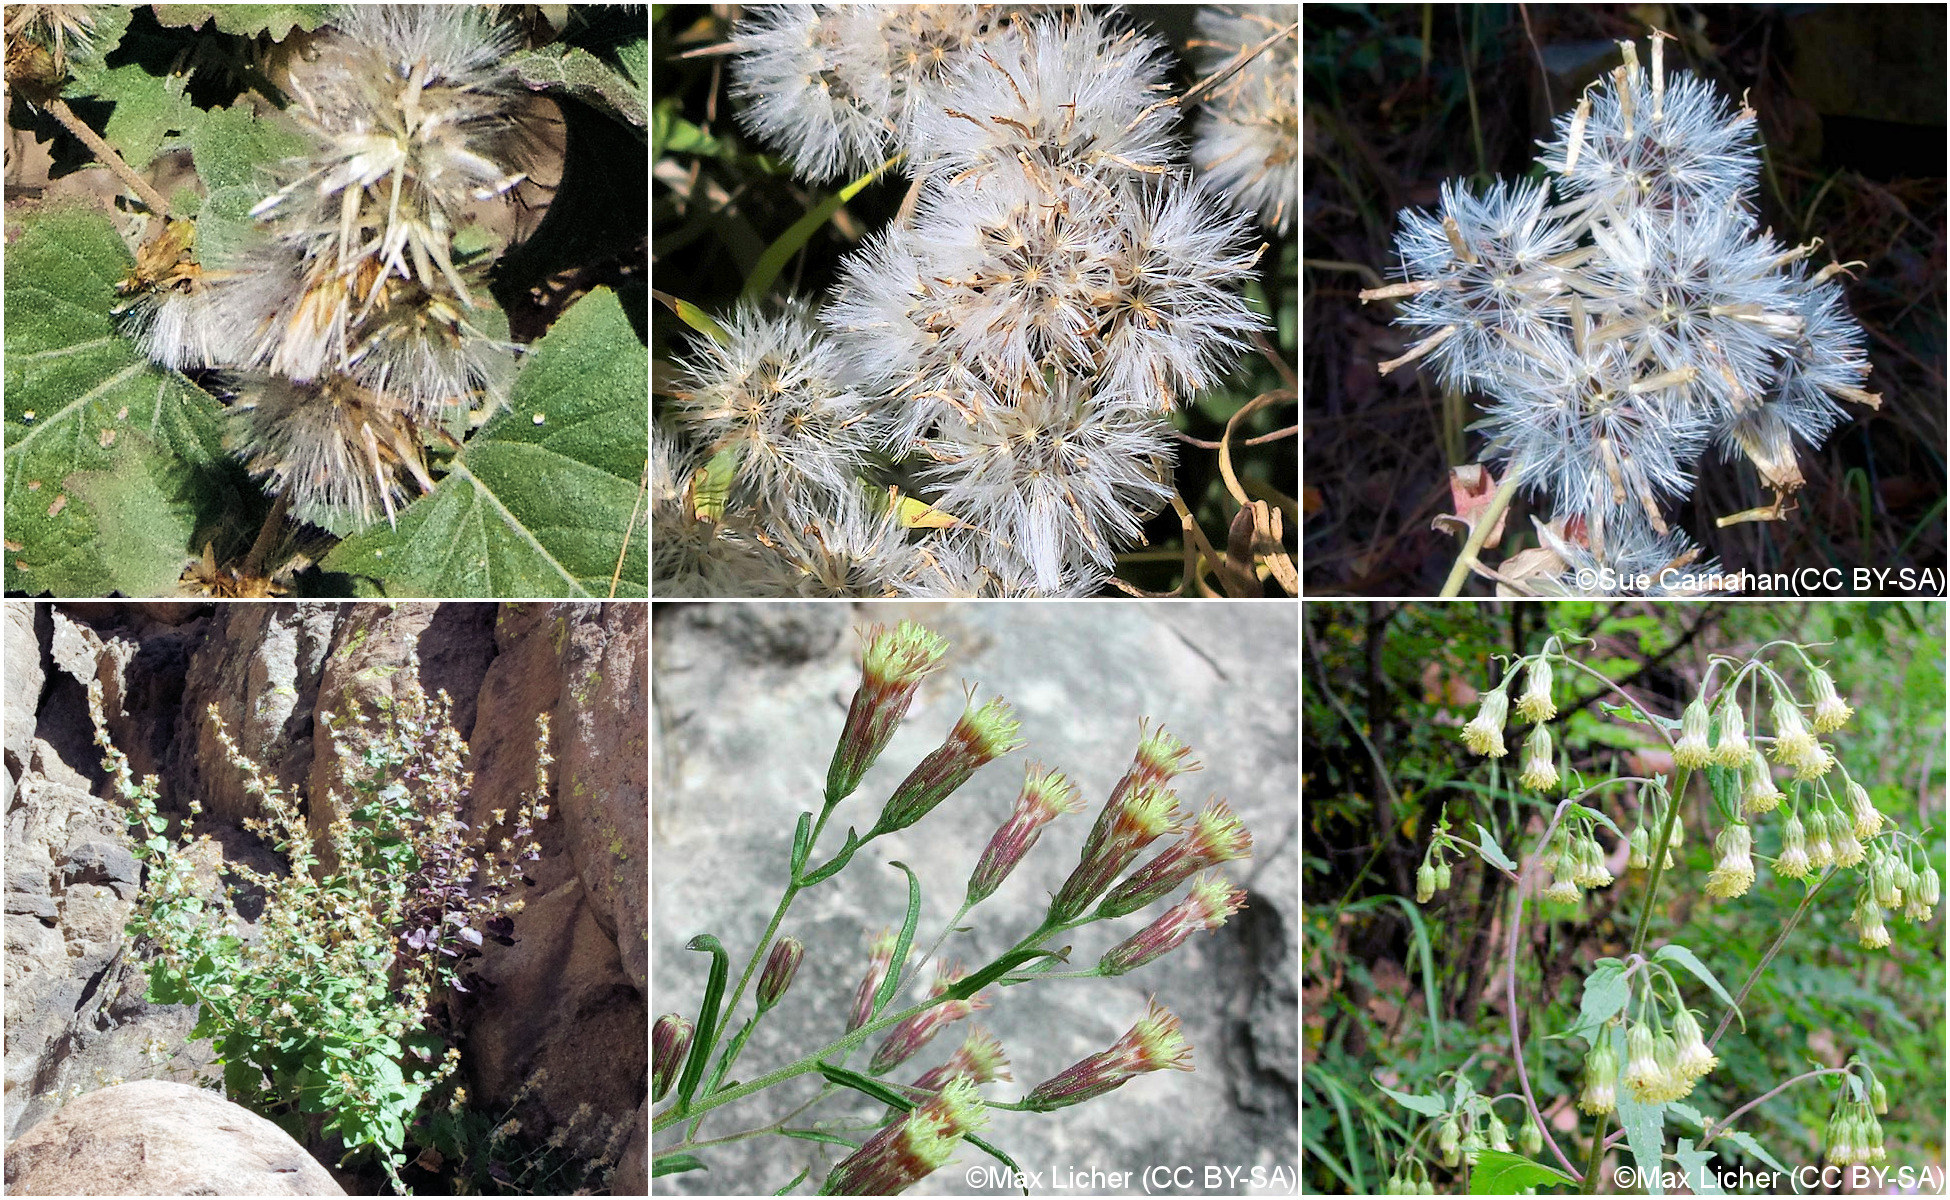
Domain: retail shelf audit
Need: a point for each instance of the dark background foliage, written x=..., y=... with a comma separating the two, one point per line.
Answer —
x=1398, y=98
x=1401, y=993
x=719, y=200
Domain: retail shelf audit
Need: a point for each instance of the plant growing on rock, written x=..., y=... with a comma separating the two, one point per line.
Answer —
x=322, y=1017
x=927, y=1117
x=1788, y=811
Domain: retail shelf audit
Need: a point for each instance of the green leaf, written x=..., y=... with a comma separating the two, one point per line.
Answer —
x=707, y=1017
x=1498, y=1173
x=672, y=1164
x=801, y=843
x=796, y=1181
x=232, y=146
x=1491, y=852
x=814, y=1135
x=1644, y=1126
x=247, y=20
x=1605, y=993
x=1428, y=1106
x=865, y=1085
x=832, y=866
x=1673, y=952
x=780, y=252
x=575, y=71
x=902, y=944
x=91, y=426
x=965, y=988
x=545, y=499
x=1746, y=1142
x=148, y=108
x=1700, y=1180
x=1592, y=814
x=1431, y=986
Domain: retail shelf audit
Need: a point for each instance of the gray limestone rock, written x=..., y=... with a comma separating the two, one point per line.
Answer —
x=161, y=1139
x=748, y=701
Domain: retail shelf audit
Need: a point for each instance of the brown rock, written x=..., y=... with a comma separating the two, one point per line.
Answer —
x=161, y=1139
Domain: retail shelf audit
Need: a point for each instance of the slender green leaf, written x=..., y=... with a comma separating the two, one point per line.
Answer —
x=801, y=843
x=796, y=1181
x=780, y=252
x=1428, y=1106
x=967, y=987
x=1673, y=952
x=833, y=865
x=815, y=1135
x=1592, y=814
x=1431, y=988
x=902, y=944
x=865, y=1085
x=1499, y=1173
x=1746, y=1142
x=672, y=1164
x=1491, y=852
x=990, y=1150
x=707, y=1017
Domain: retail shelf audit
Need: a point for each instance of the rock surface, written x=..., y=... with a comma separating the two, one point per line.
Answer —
x=560, y=1021
x=749, y=699
x=161, y=1139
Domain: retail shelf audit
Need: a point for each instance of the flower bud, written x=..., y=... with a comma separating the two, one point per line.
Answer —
x=1641, y=844
x=1792, y=863
x=1868, y=922
x=1734, y=748
x=1600, y=1093
x=905, y=1039
x=1868, y=822
x=670, y=1044
x=1882, y=881
x=1590, y=864
x=1849, y=851
x=1644, y=1077
x=891, y=668
x=1530, y=1139
x=1761, y=796
x=1792, y=741
x=1442, y=877
x=1143, y=815
x=980, y=736
x=911, y=1148
x=1831, y=711
x=1733, y=872
x=1931, y=888
x=1045, y=796
x=880, y=958
x=1879, y=1097
x=1449, y=1140
x=1539, y=771
x=1691, y=750
x=1216, y=836
x=1484, y=733
x=1821, y=854
x=779, y=970
x=1160, y=758
x=1153, y=1044
x=1536, y=704
x=1205, y=907
x=1424, y=883
x=979, y=1059
x=1499, y=1134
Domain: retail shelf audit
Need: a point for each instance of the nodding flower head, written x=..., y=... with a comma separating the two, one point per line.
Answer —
x=912, y=1148
x=1153, y=1044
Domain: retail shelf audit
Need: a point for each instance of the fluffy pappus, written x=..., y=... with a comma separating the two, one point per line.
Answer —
x=1246, y=139
x=1078, y=93
x=1055, y=479
x=339, y=453
x=776, y=393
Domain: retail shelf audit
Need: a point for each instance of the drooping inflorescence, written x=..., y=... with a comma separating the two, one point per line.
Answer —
x=1623, y=317
x=1009, y=349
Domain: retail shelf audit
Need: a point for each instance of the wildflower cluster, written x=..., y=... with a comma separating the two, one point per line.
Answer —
x=1853, y=1136
x=328, y=1009
x=926, y=1118
x=1622, y=331
x=352, y=327
x=1014, y=347
x=1460, y=1135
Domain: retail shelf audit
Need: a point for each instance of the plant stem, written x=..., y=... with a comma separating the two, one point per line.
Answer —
x=1779, y=940
x=1715, y=1128
x=106, y=155
x=1510, y=985
x=1478, y=534
x=1638, y=945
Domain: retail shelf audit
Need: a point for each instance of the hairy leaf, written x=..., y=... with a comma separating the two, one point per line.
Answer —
x=1498, y=1173
x=247, y=20
x=1605, y=993
x=573, y=70
x=1428, y=1106
x=1673, y=952
x=542, y=501
x=1700, y=1179
x=92, y=428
